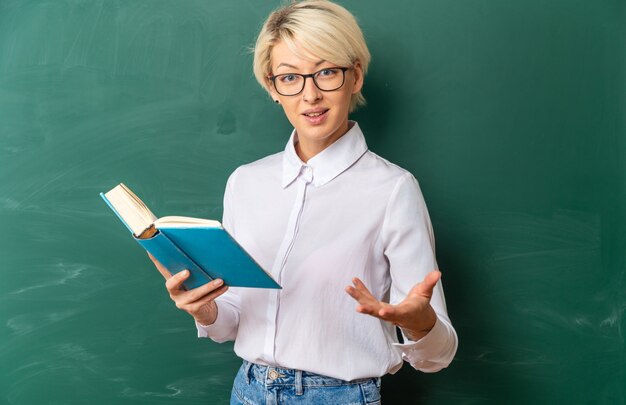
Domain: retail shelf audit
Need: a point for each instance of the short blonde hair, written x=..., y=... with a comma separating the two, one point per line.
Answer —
x=322, y=28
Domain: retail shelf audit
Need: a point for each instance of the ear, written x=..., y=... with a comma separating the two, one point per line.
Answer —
x=270, y=89
x=358, y=77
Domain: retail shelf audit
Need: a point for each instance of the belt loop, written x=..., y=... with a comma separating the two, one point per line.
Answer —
x=247, y=367
x=378, y=381
x=298, y=382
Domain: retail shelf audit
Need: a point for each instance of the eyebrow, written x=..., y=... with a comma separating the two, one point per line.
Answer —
x=294, y=67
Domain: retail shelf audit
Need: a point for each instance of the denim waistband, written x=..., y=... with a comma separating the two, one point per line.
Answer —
x=273, y=376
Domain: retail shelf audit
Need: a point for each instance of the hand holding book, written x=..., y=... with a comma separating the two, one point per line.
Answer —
x=201, y=246
x=198, y=302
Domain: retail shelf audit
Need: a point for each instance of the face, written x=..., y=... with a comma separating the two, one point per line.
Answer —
x=303, y=110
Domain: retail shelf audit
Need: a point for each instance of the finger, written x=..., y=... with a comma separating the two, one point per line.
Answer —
x=426, y=287
x=216, y=293
x=369, y=307
x=362, y=291
x=195, y=306
x=382, y=310
x=360, y=286
x=164, y=272
x=200, y=292
x=175, y=282
x=363, y=307
x=353, y=292
x=368, y=304
x=394, y=313
x=387, y=312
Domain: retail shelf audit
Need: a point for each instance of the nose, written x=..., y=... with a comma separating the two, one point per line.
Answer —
x=311, y=93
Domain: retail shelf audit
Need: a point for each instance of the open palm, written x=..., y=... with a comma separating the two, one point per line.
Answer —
x=414, y=314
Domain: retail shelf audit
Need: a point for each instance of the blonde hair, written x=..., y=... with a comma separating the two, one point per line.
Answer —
x=322, y=28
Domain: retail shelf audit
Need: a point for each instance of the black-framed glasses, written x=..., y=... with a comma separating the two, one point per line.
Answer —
x=327, y=79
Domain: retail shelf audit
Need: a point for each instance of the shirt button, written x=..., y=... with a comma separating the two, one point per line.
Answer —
x=307, y=173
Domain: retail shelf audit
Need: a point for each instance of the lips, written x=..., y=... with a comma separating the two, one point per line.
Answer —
x=315, y=116
x=315, y=113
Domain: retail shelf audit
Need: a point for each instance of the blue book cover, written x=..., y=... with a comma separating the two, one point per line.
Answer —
x=207, y=251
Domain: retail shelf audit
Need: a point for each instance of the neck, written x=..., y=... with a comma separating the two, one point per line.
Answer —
x=306, y=149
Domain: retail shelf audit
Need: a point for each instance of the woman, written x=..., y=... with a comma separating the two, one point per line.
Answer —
x=345, y=232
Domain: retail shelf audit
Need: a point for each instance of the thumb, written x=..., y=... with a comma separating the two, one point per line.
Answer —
x=425, y=288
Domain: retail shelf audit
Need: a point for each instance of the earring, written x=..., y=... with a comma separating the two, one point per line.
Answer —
x=277, y=102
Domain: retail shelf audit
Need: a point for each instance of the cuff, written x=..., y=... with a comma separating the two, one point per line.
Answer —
x=432, y=352
x=219, y=331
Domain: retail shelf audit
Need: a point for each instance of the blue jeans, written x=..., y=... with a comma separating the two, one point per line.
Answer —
x=262, y=385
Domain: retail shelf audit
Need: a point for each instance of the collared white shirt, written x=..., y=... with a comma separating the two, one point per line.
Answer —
x=314, y=226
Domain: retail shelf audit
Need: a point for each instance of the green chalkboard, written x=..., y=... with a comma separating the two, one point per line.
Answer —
x=510, y=113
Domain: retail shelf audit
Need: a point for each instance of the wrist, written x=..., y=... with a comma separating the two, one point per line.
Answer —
x=206, y=322
x=415, y=335
x=209, y=318
x=423, y=328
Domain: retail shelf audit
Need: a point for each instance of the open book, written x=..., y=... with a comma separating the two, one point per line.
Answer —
x=201, y=246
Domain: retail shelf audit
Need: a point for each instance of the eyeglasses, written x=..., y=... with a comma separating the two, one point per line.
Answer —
x=327, y=79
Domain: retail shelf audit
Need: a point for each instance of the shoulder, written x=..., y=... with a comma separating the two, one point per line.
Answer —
x=384, y=171
x=266, y=167
x=385, y=165
x=268, y=162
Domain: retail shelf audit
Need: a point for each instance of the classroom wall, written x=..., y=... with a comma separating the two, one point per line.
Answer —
x=509, y=113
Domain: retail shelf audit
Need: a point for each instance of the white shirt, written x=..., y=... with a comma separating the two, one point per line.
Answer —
x=347, y=212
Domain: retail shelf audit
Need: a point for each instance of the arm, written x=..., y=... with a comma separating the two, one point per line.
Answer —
x=417, y=303
x=226, y=323
x=214, y=307
x=199, y=302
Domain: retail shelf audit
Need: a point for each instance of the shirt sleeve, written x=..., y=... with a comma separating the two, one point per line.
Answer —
x=226, y=325
x=410, y=250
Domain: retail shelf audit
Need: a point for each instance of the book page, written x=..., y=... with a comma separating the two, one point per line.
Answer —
x=130, y=208
x=185, y=222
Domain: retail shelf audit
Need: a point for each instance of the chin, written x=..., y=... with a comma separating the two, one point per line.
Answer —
x=316, y=133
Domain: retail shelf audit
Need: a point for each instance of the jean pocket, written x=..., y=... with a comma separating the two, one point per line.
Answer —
x=371, y=392
x=242, y=390
x=236, y=398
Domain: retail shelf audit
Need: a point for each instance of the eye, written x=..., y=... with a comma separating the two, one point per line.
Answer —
x=327, y=72
x=289, y=78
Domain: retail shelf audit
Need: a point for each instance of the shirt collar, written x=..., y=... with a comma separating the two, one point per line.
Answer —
x=327, y=164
